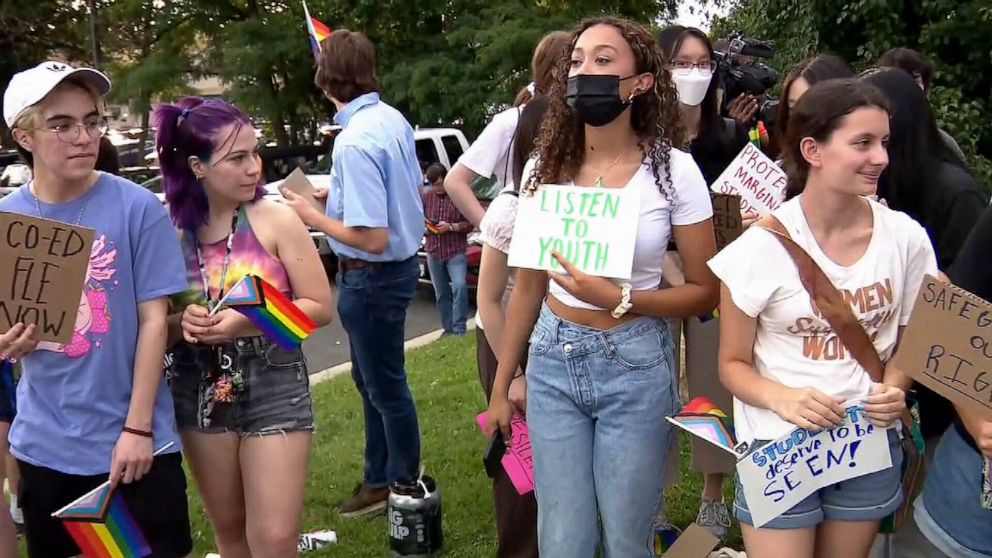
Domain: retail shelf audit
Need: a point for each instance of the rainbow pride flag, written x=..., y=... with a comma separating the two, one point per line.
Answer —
x=317, y=30
x=102, y=526
x=279, y=320
x=704, y=419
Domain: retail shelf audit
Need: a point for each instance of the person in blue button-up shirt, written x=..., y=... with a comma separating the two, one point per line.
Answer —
x=375, y=219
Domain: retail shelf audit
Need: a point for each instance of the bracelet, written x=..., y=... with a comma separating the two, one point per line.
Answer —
x=625, y=304
x=136, y=432
x=519, y=374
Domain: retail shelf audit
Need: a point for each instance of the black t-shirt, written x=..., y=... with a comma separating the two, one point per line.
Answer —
x=949, y=215
x=716, y=149
x=972, y=272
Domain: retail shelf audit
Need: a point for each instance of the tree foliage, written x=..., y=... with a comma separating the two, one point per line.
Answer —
x=952, y=33
x=441, y=62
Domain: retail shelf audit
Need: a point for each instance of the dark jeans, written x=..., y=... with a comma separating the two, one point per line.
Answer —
x=372, y=304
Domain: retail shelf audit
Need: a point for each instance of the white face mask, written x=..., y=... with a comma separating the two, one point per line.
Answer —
x=692, y=86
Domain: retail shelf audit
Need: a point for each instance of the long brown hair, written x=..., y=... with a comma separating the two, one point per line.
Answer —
x=818, y=114
x=655, y=115
x=552, y=51
x=814, y=70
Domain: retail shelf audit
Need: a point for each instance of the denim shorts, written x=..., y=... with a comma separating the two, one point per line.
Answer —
x=275, y=399
x=949, y=511
x=868, y=498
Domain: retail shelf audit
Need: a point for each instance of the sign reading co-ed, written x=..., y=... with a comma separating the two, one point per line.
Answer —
x=41, y=279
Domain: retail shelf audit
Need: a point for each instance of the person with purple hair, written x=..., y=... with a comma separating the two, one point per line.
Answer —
x=249, y=455
x=95, y=407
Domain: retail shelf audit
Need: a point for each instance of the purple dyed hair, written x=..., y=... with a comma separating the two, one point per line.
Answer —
x=186, y=129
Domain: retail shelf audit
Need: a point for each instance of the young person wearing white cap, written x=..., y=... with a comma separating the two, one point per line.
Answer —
x=95, y=406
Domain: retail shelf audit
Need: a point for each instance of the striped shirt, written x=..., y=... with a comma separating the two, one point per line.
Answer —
x=439, y=208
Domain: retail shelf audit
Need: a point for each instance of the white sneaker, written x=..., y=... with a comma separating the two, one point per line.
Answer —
x=212, y=555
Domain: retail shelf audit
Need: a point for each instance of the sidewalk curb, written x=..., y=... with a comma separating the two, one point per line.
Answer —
x=415, y=343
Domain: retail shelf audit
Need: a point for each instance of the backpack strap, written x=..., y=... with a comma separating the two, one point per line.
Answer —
x=829, y=301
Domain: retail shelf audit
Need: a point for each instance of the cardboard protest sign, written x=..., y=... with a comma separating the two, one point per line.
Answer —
x=755, y=178
x=694, y=542
x=947, y=345
x=297, y=182
x=593, y=228
x=727, y=223
x=781, y=473
x=517, y=461
x=41, y=279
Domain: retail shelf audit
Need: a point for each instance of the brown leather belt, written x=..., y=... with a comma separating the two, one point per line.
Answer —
x=344, y=266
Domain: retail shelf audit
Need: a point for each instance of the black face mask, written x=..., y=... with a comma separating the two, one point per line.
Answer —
x=596, y=98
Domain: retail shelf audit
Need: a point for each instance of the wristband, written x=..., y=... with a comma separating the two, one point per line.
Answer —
x=136, y=432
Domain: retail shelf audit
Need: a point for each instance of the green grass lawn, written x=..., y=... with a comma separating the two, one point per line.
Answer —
x=445, y=384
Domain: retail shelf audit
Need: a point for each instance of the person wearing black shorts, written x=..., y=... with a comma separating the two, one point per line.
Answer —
x=93, y=405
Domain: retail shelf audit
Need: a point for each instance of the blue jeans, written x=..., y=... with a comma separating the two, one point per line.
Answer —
x=372, y=304
x=596, y=407
x=451, y=291
x=949, y=511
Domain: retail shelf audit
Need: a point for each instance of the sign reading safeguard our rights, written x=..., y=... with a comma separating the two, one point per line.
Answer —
x=41, y=278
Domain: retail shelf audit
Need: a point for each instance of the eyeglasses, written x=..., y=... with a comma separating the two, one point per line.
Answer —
x=68, y=132
x=684, y=66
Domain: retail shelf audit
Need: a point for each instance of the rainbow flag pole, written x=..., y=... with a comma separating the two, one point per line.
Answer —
x=102, y=525
x=317, y=30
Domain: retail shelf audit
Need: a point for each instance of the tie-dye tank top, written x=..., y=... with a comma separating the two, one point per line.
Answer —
x=248, y=257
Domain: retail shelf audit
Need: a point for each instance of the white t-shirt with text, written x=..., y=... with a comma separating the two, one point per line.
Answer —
x=794, y=345
x=689, y=204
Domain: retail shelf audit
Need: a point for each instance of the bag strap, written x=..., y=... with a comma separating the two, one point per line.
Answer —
x=831, y=303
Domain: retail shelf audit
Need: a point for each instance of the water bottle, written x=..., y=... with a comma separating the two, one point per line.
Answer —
x=414, y=514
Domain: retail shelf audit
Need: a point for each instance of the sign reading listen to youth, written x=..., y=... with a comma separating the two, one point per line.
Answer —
x=756, y=179
x=783, y=472
x=41, y=278
x=593, y=228
x=947, y=345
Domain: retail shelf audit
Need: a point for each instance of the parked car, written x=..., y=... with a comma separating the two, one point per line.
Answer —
x=434, y=145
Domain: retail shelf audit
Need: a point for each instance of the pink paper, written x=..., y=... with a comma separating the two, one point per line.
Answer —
x=517, y=461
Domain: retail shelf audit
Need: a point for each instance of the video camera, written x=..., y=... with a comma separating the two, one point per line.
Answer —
x=749, y=77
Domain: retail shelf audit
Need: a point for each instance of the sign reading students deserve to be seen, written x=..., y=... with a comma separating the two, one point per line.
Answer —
x=756, y=179
x=42, y=274
x=947, y=345
x=783, y=472
x=593, y=228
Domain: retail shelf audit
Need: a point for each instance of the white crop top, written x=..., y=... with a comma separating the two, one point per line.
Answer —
x=690, y=205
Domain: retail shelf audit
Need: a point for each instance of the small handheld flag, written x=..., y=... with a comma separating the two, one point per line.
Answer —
x=102, y=526
x=317, y=30
x=279, y=320
x=704, y=419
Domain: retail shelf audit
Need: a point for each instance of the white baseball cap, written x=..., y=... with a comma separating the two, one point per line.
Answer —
x=30, y=87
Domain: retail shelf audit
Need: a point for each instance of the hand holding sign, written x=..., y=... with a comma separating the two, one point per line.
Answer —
x=17, y=342
x=808, y=408
x=597, y=291
x=885, y=405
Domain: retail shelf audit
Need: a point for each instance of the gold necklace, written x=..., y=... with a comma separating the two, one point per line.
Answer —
x=599, y=178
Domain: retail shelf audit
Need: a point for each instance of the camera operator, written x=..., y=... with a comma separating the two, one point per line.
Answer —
x=745, y=81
